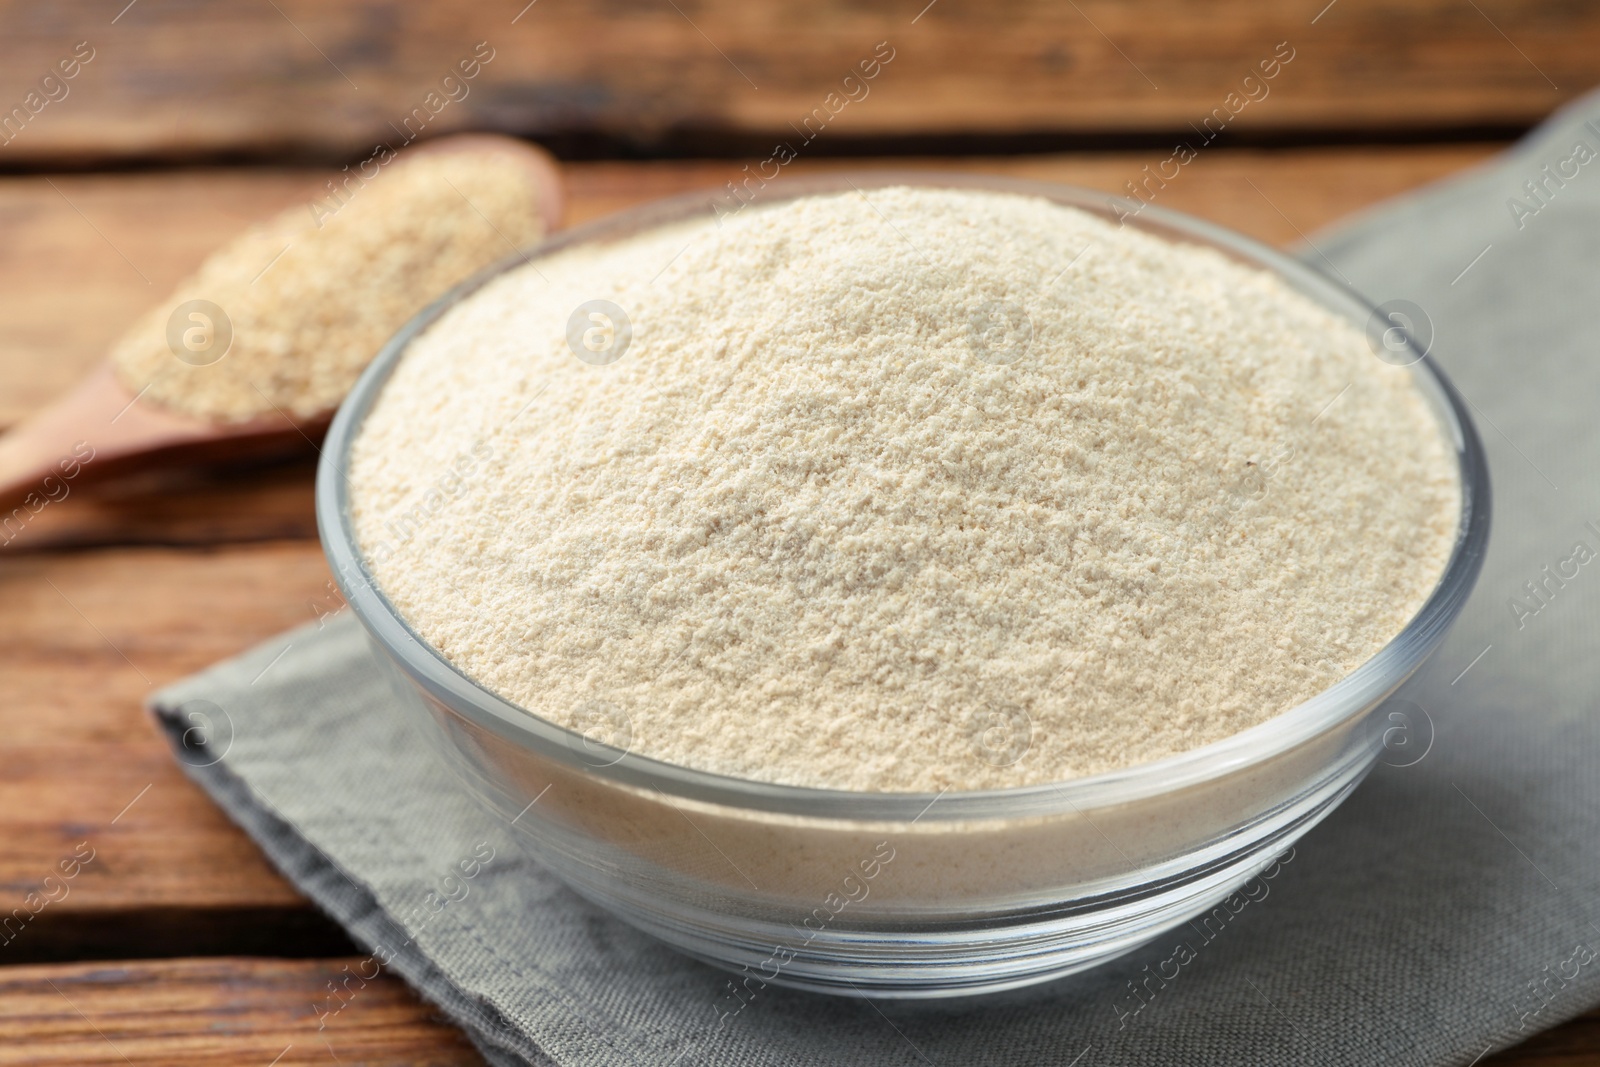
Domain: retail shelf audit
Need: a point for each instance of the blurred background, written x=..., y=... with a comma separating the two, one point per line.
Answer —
x=136, y=137
x=656, y=96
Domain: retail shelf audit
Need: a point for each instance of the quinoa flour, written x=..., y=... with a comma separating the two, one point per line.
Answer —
x=310, y=304
x=909, y=490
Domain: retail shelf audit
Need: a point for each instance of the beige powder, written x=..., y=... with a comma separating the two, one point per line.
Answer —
x=906, y=491
x=310, y=305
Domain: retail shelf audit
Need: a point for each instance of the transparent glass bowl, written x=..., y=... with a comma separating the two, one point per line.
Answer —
x=899, y=894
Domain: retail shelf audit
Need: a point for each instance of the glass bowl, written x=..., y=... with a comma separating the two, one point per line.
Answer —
x=907, y=894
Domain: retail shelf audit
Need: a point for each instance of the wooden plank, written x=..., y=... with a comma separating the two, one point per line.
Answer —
x=292, y=930
x=225, y=1012
x=84, y=638
x=83, y=247
x=79, y=248
x=1573, y=1044
x=219, y=1013
x=169, y=78
x=86, y=635
x=223, y=505
x=83, y=255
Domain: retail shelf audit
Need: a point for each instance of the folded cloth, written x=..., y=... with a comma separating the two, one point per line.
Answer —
x=1446, y=909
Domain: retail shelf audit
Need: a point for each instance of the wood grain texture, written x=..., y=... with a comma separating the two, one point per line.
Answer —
x=226, y=1012
x=82, y=255
x=217, y=1013
x=211, y=506
x=177, y=77
x=78, y=251
x=1572, y=1044
x=85, y=635
x=85, y=638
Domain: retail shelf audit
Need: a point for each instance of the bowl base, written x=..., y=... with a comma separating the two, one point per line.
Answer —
x=913, y=960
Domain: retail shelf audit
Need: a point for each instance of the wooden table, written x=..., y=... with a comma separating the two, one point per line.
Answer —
x=220, y=960
x=179, y=944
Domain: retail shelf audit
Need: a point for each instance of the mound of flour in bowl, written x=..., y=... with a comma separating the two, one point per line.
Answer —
x=910, y=490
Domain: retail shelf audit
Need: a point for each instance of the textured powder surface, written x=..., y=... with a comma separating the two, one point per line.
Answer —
x=914, y=490
x=310, y=305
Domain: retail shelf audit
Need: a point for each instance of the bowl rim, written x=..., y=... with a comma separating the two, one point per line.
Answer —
x=1353, y=695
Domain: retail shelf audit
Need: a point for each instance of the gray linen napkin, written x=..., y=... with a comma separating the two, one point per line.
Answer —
x=1446, y=909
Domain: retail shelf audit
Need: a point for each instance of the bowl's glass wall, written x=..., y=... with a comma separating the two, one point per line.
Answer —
x=909, y=894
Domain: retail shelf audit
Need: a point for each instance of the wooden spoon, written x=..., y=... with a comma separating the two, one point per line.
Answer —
x=103, y=429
